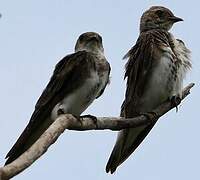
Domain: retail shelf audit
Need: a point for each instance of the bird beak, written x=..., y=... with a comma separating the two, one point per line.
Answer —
x=175, y=19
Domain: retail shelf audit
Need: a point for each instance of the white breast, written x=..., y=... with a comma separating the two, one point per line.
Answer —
x=76, y=102
x=167, y=77
x=158, y=88
x=182, y=54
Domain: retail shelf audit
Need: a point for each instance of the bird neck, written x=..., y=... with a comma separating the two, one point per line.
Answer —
x=93, y=50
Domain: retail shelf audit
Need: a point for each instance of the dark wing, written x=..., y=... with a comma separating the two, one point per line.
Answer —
x=68, y=75
x=141, y=57
x=139, y=66
x=107, y=82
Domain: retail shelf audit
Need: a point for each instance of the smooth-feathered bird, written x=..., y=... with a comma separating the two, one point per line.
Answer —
x=156, y=66
x=78, y=79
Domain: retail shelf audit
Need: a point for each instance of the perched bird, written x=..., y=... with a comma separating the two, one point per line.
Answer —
x=78, y=79
x=156, y=66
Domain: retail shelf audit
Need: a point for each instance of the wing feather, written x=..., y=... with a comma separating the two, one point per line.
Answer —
x=138, y=69
x=68, y=72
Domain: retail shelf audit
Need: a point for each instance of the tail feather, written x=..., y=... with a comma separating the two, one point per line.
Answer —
x=26, y=140
x=127, y=141
x=115, y=155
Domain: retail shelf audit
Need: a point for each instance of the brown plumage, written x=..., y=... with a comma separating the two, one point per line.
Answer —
x=154, y=73
x=84, y=74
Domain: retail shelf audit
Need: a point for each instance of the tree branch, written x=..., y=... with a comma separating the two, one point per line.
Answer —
x=68, y=121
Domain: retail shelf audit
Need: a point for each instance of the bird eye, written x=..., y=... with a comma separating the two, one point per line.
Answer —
x=159, y=13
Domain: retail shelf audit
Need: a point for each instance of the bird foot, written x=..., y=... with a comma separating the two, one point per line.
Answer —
x=175, y=101
x=94, y=118
x=79, y=119
x=150, y=115
x=60, y=111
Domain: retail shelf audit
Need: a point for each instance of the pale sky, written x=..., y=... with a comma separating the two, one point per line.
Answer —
x=36, y=34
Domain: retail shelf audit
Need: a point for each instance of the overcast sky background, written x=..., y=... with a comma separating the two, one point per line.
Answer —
x=35, y=35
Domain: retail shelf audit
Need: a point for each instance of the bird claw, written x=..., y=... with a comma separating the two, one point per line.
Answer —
x=175, y=101
x=93, y=118
x=150, y=115
x=60, y=111
x=79, y=119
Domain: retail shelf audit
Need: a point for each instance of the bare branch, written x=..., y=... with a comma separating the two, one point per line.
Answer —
x=70, y=122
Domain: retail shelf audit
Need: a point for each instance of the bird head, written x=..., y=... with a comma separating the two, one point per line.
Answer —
x=158, y=17
x=89, y=41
